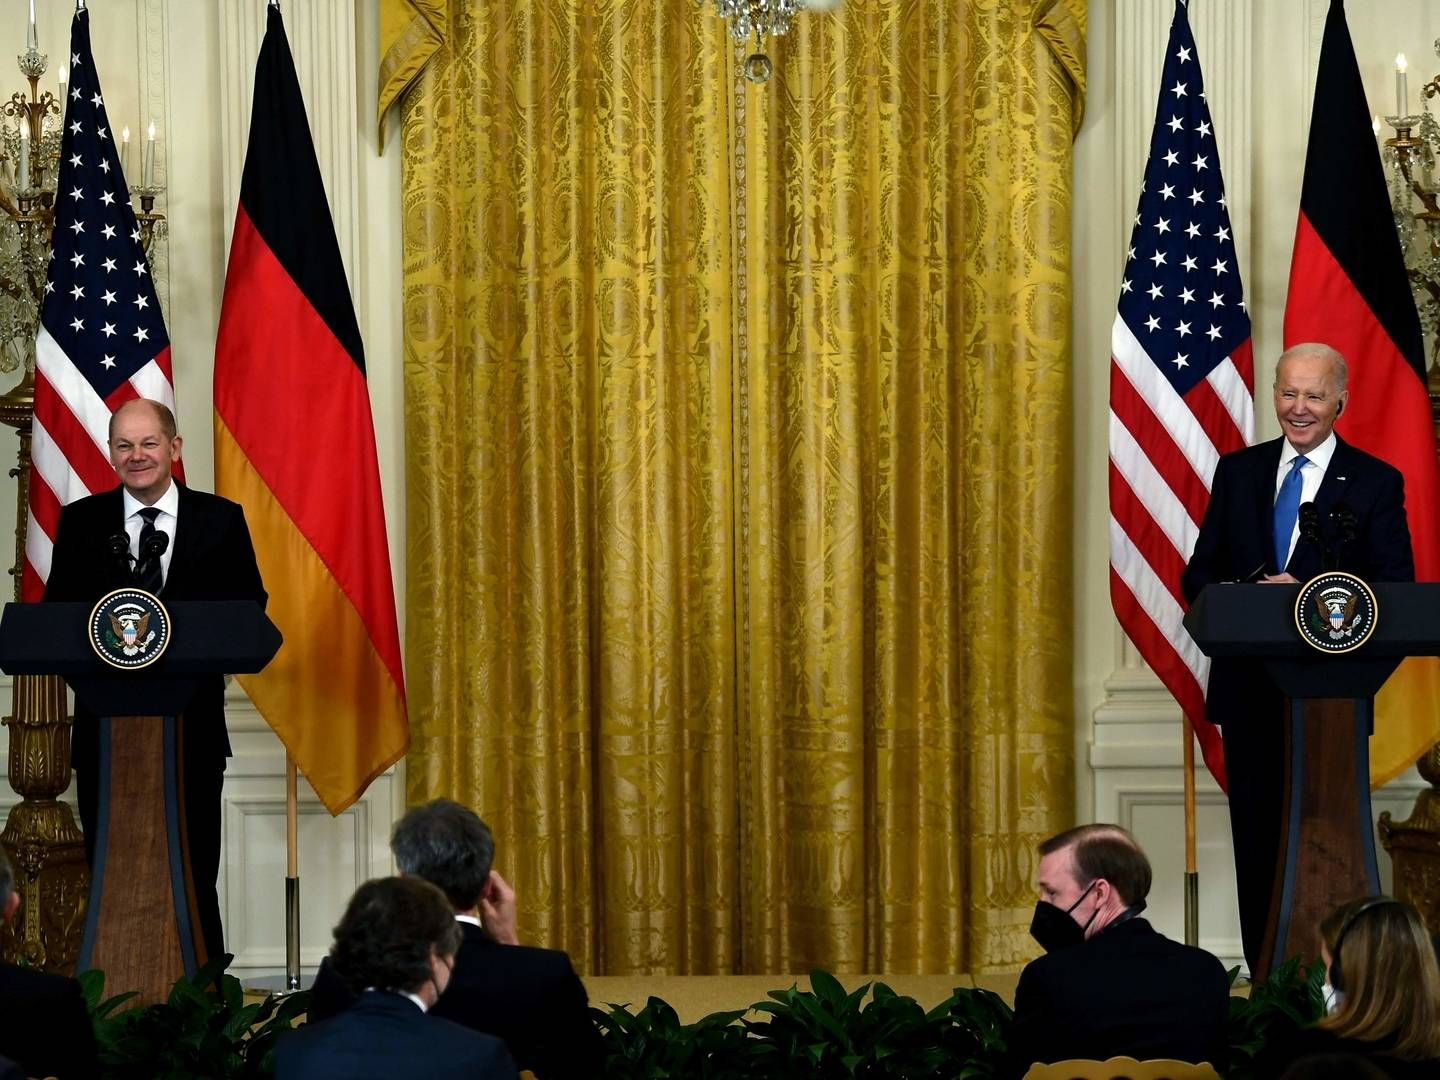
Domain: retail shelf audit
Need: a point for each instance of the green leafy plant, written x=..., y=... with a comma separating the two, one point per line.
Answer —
x=1290, y=999
x=653, y=1043
x=830, y=1033
x=204, y=1029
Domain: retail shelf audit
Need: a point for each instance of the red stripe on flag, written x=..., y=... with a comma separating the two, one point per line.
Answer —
x=1151, y=541
x=32, y=589
x=1219, y=425
x=1172, y=671
x=121, y=394
x=44, y=505
x=69, y=435
x=1152, y=437
x=1244, y=360
x=323, y=405
x=1388, y=413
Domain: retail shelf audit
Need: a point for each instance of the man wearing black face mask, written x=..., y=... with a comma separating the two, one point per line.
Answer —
x=1109, y=984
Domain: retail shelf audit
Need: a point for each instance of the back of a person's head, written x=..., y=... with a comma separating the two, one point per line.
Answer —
x=389, y=932
x=1333, y=1067
x=1383, y=968
x=1109, y=852
x=449, y=846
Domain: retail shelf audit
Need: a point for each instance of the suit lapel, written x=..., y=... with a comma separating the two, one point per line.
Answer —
x=1337, y=479
x=184, y=539
x=1265, y=499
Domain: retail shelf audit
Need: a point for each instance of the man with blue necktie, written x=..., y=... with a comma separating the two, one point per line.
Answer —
x=1252, y=532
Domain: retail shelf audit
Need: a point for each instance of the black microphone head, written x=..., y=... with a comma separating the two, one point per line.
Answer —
x=155, y=545
x=118, y=545
x=1309, y=519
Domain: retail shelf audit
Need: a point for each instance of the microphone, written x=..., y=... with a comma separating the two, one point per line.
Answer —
x=154, y=546
x=118, y=544
x=150, y=552
x=1344, y=519
x=1312, y=530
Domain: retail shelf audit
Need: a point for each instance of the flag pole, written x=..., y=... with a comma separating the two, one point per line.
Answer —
x=1192, y=876
x=292, y=877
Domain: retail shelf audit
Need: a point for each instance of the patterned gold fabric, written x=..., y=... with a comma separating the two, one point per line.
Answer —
x=739, y=580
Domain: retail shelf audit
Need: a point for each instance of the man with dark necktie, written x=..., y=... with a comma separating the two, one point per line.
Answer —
x=180, y=544
x=1252, y=532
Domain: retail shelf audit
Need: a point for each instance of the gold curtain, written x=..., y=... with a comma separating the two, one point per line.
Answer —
x=738, y=585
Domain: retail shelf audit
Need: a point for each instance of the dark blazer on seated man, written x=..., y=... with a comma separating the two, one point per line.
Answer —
x=386, y=1036
x=1126, y=991
x=531, y=998
x=1109, y=985
x=44, y=1027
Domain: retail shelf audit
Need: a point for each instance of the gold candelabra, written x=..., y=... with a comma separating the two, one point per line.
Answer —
x=1409, y=157
x=45, y=846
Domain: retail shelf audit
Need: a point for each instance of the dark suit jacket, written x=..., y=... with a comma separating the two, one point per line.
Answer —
x=531, y=998
x=1237, y=535
x=385, y=1036
x=1127, y=990
x=44, y=1027
x=213, y=559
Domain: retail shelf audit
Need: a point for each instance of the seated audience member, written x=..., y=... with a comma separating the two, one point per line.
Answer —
x=1381, y=966
x=395, y=948
x=531, y=998
x=1109, y=984
x=44, y=1028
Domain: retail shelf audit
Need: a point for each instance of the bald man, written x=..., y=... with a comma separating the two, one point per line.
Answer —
x=208, y=556
x=1251, y=532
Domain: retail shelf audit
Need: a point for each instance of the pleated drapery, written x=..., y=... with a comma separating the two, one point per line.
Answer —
x=739, y=580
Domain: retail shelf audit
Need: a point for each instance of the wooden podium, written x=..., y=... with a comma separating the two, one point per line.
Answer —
x=1327, y=846
x=140, y=927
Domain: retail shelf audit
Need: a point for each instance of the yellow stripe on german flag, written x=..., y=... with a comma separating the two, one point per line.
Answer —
x=295, y=445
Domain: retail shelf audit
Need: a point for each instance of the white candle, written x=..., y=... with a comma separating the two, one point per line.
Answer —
x=1402, y=86
x=23, y=181
x=33, y=39
x=64, y=72
x=150, y=156
x=1375, y=125
x=125, y=153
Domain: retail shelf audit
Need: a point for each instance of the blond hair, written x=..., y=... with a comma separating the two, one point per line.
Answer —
x=1390, y=985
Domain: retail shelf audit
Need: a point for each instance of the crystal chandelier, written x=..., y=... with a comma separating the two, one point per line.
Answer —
x=758, y=20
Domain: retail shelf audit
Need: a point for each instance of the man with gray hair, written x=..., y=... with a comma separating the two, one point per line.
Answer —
x=531, y=998
x=1252, y=532
x=44, y=1027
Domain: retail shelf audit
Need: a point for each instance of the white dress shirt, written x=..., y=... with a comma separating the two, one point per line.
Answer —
x=166, y=521
x=1312, y=473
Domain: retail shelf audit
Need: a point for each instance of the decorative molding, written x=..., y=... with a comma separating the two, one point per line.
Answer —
x=354, y=849
x=322, y=40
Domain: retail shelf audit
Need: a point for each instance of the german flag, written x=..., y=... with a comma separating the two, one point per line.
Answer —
x=1349, y=289
x=295, y=445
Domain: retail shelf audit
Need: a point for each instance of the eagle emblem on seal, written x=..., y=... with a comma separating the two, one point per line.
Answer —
x=1336, y=606
x=132, y=630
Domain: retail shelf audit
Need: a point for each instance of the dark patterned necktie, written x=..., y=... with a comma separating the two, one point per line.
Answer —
x=148, y=571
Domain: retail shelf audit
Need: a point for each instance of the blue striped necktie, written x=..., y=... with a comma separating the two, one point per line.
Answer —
x=1287, y=511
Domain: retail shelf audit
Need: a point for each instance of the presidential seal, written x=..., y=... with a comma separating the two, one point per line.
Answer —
x=129, y=628
x=1336, y=612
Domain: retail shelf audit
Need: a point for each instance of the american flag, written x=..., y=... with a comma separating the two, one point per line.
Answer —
x=102, y=338
x=1181, y=379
